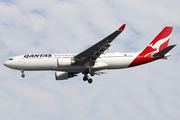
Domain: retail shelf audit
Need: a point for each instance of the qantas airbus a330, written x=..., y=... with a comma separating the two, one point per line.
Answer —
x=93, y=59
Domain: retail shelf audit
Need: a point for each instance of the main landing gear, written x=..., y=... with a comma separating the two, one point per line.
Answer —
x=22, y=75
x=86, y=77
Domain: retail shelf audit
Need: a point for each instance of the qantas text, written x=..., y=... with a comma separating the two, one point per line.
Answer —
x=37, y=55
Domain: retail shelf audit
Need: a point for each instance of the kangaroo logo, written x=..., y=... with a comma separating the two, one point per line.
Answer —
x=156, y=46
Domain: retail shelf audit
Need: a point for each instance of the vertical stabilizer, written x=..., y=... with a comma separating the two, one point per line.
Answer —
x=159, y=43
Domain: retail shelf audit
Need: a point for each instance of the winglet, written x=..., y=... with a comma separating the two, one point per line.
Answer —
x=122, y=27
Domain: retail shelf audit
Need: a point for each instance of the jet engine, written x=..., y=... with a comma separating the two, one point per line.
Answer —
x=64, y=62
x=63, y=75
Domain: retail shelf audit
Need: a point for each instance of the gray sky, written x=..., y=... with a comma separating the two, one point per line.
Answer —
x=147, y=92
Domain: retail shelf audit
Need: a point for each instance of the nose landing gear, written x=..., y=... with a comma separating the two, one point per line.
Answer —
x=22, y=75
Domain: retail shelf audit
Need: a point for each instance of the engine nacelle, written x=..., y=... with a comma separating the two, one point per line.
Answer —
x=64, y=62
x=63, y=75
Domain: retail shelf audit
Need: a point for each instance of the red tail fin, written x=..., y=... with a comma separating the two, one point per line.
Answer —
x=159, y=43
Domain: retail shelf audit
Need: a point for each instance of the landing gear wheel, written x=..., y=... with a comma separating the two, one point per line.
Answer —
x=85, y=78
x=92, y=73
x=90, y=81
x=23, y=75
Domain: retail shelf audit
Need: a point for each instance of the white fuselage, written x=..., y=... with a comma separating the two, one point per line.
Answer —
x=60, y=62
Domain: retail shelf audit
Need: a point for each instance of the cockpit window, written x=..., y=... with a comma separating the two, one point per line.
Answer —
x=11, y=59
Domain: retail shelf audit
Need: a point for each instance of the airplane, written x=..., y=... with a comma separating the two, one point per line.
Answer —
x=91, y=61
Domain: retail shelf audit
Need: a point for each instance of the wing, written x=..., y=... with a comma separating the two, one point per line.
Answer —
x=90, y=55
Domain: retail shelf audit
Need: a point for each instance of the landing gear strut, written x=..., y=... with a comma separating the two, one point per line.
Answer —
x=22, y=75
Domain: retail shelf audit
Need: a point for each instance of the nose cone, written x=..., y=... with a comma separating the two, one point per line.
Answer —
x=5, y=64
x=8, y=64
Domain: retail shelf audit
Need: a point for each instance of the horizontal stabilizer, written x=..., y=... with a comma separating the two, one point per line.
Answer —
x=163, y=52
